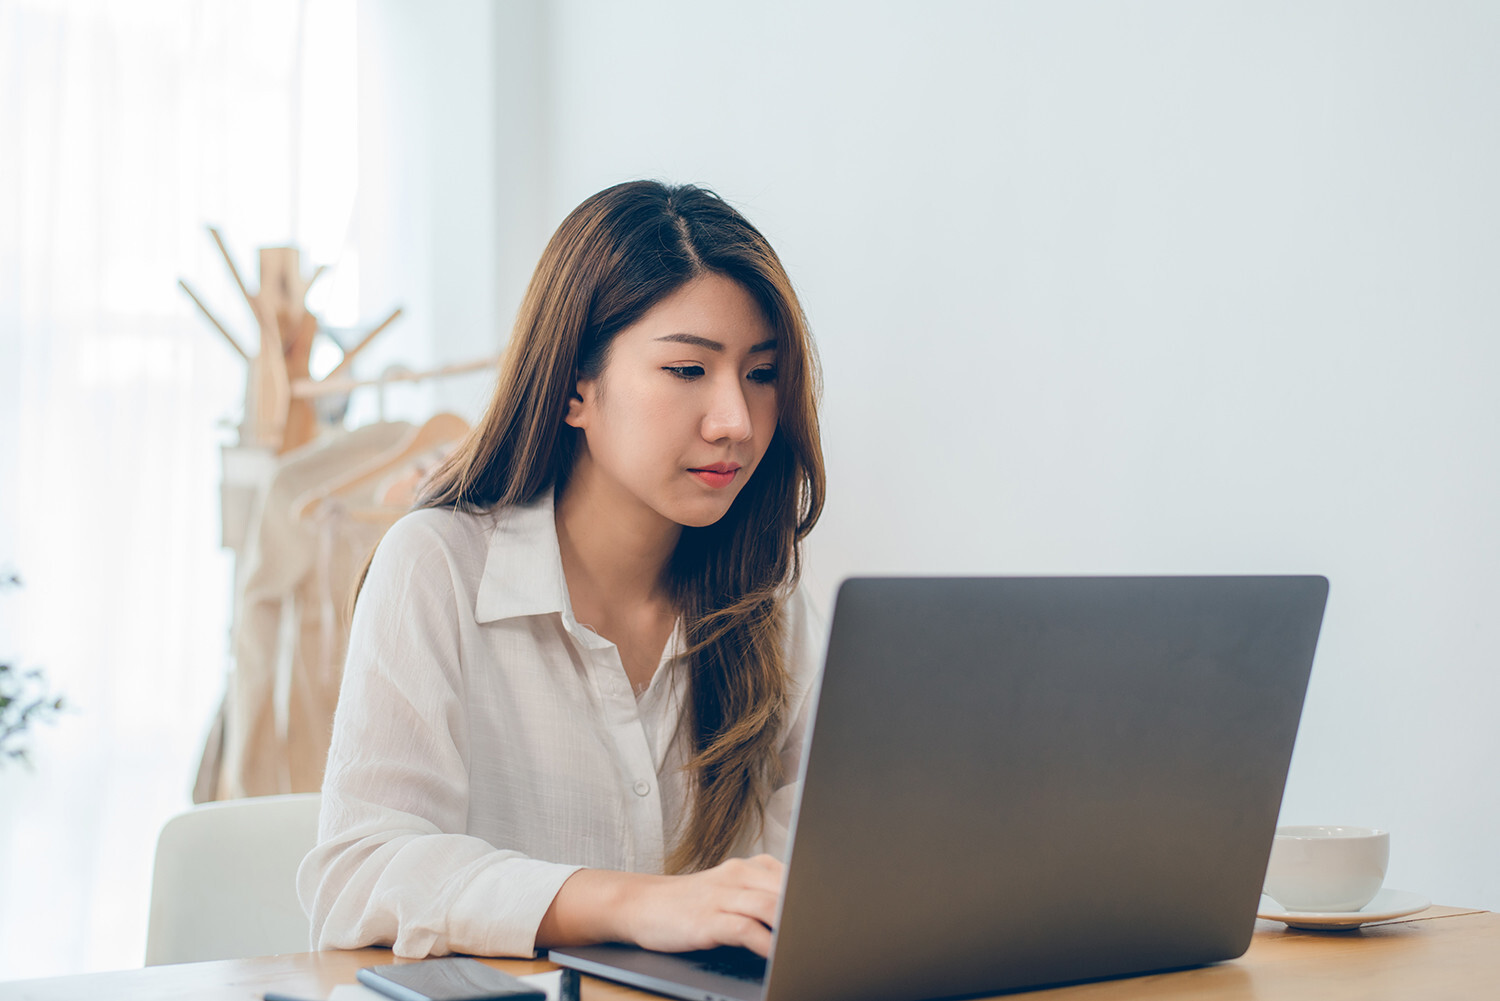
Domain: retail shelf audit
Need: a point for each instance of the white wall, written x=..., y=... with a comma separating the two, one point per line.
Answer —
x=1147, y=287
x=429, y=83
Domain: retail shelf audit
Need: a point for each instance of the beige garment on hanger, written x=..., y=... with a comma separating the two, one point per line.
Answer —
x=343, y=545
x=278, y=709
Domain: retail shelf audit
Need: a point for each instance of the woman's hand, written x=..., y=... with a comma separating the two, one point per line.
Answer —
x=734, y=903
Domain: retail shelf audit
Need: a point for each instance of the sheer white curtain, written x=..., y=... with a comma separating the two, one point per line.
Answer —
x=124, y=128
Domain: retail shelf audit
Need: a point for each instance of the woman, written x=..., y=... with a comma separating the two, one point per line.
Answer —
x=577, y=678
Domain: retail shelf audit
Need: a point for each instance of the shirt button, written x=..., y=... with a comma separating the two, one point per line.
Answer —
x=642, y=787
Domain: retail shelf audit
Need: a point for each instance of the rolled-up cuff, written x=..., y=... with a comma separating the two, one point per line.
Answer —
x=498, y=913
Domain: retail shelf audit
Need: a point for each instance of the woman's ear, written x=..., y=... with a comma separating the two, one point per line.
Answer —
x=580, y=403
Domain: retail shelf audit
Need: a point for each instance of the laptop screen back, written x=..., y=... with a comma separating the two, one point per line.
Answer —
x=1021, y=781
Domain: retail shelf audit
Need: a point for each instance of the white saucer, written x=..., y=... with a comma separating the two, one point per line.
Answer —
x=1387, y=904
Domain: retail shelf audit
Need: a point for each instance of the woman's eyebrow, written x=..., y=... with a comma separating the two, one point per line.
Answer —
x=712, y=345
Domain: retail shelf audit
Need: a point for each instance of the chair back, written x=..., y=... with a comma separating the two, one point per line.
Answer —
x=224, y=886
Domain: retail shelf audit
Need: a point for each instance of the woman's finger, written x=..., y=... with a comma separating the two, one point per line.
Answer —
x=745, y=932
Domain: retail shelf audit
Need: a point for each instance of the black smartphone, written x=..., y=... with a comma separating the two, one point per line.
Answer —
x=451, y=978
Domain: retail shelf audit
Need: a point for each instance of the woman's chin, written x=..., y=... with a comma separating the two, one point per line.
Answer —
x=701, y=515
x=700, y=522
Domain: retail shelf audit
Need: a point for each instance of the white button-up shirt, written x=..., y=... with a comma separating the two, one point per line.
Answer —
x=487, y=745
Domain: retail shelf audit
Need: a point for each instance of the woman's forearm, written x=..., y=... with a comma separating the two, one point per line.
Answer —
x=589, y=908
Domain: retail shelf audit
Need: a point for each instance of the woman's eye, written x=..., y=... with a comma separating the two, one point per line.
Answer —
x=684, y=371
x=764, y=374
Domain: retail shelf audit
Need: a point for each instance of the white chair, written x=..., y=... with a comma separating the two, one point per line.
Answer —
x=225, y=880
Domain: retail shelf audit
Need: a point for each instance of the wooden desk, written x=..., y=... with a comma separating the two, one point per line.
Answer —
x=1444, y=952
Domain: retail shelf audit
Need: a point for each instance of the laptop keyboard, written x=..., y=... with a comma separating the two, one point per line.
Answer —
x=729, y=961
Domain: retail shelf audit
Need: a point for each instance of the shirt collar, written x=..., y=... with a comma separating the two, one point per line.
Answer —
x=523, y=572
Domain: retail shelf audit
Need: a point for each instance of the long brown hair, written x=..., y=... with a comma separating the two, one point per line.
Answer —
x=611, y=260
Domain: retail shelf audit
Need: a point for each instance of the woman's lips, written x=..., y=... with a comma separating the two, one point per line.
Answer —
x=718, y=475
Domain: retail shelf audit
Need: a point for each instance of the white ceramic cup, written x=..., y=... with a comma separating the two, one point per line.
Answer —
x=1331, y=869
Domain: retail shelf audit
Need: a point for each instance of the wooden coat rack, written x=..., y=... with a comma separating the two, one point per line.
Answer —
x=277, y=417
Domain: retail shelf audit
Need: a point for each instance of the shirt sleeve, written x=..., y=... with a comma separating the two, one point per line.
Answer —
x=394, y=865
x=805, y=644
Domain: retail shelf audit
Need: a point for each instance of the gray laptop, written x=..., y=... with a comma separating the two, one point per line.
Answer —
x=1014, y=782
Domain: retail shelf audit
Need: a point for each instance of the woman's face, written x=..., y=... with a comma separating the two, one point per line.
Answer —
x=684, y=409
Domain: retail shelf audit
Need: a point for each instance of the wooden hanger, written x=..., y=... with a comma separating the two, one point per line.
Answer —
x=440, y=429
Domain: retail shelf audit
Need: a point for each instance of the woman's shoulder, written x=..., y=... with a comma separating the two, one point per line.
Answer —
x=440, y=527
x=430, y=542
x=459, y=544
x=436, y=529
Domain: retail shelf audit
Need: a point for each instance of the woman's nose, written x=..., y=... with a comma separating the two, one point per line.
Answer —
x=728, y=416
